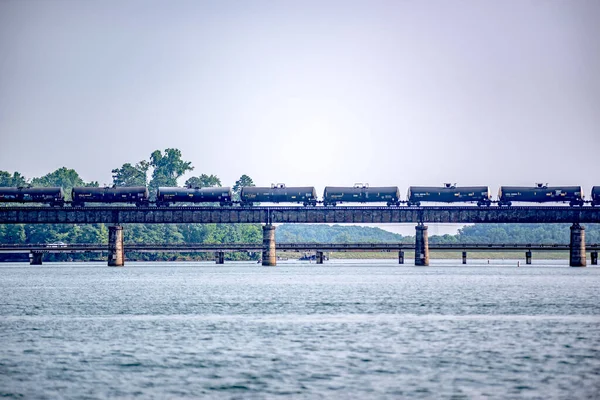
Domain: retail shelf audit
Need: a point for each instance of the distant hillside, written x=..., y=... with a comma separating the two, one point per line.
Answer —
x=297, y=233
x=479, y=233
x=521, y=233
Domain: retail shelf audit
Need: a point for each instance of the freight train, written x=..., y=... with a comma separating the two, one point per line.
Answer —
x=307, y=196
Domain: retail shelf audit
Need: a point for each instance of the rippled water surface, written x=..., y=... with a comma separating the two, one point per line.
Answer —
x=368, y=330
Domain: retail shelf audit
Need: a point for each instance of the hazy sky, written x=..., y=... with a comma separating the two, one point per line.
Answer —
x=306, y=92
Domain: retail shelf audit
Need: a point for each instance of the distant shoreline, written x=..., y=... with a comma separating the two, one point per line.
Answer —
x=408, y=256
x=454, y=255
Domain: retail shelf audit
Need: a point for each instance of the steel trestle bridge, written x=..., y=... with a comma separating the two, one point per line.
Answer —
x=298, y=214
x=117, y=216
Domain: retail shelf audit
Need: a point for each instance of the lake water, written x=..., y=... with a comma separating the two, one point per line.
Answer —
x=342, y=330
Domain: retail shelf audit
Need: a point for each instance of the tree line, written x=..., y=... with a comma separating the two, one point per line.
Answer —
x=478, y=233
x=163, y=168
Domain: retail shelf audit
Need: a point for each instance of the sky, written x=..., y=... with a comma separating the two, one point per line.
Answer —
x=315, y=93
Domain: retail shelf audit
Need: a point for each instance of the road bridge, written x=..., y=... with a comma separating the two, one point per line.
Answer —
x=118, y=215
x=37, y=250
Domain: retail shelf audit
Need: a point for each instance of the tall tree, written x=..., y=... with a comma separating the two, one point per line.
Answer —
x=15, y=180
x=203, y=181
x=168, y=167
x=13, y=234
x=63, y=177
x=244, y=180
x=5, y=179
x=130, y=175
x=66, y=178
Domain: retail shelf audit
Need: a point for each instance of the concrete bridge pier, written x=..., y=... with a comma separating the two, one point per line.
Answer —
x=421, y=246
x=401, y=257
x=528, y=257
x=116, y=252
x=577, y=246
x=594, y=255
x=269, y=252
x=464, y=257
x=319, y=257
x=35, y=258
x=220, y=257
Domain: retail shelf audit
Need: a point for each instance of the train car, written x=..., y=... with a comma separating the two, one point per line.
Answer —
x=107, y=195
x=596, y=196
x=278, y=194
x=449, y=193
x=360, y=193
x=53, y=196
x=170, y=195
x=541, y=193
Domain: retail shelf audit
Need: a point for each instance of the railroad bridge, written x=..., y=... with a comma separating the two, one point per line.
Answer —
x=115, y=216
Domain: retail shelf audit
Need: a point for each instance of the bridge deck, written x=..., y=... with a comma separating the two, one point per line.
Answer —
x=312, y=215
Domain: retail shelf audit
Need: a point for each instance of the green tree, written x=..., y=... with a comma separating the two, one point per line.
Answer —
x=96, y=233
x=13, y=234
x=193, y=233
x=250, y=233
x=66, y=178
x=244, y=180
x=203, y=181
x=62, y=177
x=168, y=167
x=170, y=234
x=5, y=179
x=12, y=181
x=130, y=175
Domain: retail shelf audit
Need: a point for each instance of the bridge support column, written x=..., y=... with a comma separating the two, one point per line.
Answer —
x=319, y=257
x=220, y=257
x=528, y=257
x=577, y=246
x=401, y=257
x=464, y=257
x=269, y=253
x=116, y=253
x=35, y=258
x=421, y=246
x=594, y=255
